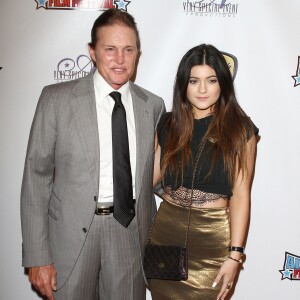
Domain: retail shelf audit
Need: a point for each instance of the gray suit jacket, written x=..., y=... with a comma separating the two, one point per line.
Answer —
x=61, y=174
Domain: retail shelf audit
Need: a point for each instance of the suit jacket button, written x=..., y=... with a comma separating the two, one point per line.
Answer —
x=84, y=230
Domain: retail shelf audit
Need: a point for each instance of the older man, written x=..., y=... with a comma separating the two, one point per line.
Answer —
x=87, y=198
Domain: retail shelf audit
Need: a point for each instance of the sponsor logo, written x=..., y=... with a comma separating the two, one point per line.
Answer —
x=291, y=267
x=210, y=8
x=297, y=76
x=68, y=68
x=83, y=4
x=232, y=63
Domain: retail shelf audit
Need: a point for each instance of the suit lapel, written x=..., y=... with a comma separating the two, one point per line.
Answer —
x=84, y=108
x=143, y=132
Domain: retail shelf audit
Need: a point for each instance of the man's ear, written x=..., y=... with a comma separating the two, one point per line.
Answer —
x=92, y=54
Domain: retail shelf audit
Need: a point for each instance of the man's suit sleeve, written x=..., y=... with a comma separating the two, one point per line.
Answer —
x=37, y=184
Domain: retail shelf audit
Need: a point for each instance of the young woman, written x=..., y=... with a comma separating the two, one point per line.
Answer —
x=205, y=156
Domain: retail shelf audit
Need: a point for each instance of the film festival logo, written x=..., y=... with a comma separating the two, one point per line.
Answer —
x=69, y=69
x=210, y=8
x=297, y=76
x=82, y=4
x=291, y=267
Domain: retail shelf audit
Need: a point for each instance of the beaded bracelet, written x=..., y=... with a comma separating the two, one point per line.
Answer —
x=240, y=261
x=238, y=249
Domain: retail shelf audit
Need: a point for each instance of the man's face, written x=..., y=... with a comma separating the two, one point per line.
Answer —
x=115, y=54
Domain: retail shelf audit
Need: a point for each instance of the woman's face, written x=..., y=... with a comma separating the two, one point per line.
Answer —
x=203, y=90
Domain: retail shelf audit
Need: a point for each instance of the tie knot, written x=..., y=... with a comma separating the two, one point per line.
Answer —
x=117, y=97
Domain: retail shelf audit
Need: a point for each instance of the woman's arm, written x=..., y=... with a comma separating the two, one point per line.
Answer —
x=240, y=201
x=239, y=218
x=156, y=172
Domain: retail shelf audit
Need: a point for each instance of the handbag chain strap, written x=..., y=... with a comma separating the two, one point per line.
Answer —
x=191, y=200
x=192, y=192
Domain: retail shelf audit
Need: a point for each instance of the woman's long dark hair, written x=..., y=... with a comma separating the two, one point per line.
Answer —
x=230, y=127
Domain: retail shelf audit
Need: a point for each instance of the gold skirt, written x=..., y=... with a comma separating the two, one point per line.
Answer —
x=208, y=242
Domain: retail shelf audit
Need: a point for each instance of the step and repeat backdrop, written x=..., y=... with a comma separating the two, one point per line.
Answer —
x=45, y=41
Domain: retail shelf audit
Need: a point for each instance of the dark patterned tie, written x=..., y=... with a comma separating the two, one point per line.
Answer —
x=122, y=178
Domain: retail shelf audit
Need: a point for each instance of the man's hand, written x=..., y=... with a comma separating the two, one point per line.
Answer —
x=44, y=280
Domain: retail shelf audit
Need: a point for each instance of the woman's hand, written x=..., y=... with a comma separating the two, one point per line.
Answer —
x=226, y=276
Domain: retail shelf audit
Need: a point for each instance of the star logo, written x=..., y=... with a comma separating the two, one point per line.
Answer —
x=41, y=3
x=122, y=4
x=297, y=76
x=286, y=274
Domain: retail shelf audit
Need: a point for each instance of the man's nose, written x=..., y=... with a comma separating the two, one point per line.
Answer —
x=120, y=57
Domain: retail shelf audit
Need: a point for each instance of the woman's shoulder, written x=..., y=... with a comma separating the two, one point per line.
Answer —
x=164, y=120
x=162, y=127
x=250, y=127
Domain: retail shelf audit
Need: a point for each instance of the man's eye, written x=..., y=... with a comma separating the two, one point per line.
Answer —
x=129, y=50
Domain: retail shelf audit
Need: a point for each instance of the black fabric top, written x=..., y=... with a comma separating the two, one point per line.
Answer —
x=217, y=182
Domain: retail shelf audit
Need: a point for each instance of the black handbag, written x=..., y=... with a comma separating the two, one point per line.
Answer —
x=166, y=262
x=169, y=262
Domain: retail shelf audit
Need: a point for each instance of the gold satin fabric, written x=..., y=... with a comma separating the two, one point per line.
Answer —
x=209, y=239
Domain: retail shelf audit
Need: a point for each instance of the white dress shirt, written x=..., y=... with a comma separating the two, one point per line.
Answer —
x=104, y=106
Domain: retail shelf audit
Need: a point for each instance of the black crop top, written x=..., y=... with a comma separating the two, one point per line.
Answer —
x=217, y=182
